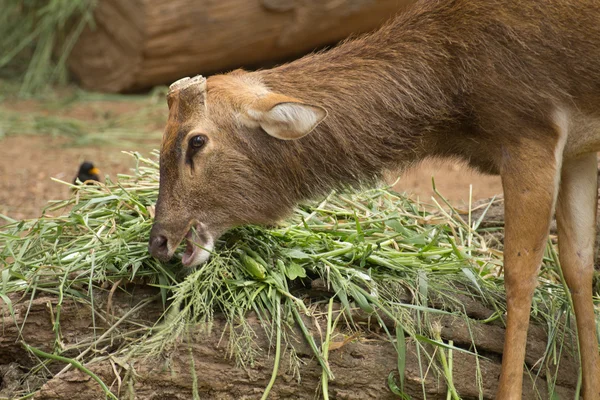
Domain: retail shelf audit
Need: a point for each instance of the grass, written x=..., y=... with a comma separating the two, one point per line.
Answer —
x=37, y=37
x=83, y=118
x=373, y=250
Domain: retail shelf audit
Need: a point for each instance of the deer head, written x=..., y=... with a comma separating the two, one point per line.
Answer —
x=219, y=162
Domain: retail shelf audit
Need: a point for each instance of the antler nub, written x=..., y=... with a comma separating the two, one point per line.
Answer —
x=187, y=89
x=187, y=82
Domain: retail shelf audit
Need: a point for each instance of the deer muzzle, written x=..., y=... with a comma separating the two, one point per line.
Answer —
x=199, y=244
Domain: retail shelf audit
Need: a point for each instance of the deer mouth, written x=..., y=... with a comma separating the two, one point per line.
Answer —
x=199, y=245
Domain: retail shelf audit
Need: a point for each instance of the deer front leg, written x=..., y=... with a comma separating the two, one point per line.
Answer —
x=529, y=178
x=576, y=220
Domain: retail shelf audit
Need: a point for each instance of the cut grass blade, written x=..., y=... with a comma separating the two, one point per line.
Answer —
x=74, y=363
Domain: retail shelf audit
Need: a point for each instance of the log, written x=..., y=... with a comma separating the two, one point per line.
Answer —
x=136, y=44
x=361, y=366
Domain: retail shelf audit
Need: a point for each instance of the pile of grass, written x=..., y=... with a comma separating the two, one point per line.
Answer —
x=370, y=248
x=37, y=37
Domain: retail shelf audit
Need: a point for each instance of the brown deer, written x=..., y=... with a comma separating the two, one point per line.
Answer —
x=511, y=87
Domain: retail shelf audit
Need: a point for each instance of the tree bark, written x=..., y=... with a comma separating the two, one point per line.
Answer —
x=361, y=365
x=137, y=44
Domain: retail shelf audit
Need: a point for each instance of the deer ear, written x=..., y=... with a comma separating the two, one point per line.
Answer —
x=286, y=118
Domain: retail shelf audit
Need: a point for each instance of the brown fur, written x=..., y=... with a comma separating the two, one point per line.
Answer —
x=485, y=81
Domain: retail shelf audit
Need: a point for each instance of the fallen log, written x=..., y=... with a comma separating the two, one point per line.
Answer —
x=137, y=44
x=360, y=361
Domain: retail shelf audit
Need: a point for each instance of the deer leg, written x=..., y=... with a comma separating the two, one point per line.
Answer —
x=530, y=175
x=576, y=219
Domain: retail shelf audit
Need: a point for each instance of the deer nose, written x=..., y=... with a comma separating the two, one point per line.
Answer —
x=158, y=246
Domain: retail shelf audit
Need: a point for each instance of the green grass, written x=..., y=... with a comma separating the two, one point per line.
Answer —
x=83, y=118
x=373, y=249
x=36, y=38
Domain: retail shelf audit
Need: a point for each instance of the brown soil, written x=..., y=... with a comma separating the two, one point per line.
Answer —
x=452, y=180
x=27, y=164
x=28, y=159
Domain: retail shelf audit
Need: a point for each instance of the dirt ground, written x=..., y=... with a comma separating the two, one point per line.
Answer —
x=28, y=161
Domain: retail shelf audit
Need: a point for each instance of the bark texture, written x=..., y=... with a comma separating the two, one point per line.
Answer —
x=361, y=366
x=137, y=44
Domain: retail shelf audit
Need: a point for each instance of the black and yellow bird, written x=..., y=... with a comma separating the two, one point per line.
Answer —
x=87, y=172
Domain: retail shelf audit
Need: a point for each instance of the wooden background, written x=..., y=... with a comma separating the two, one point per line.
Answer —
x=137, y=44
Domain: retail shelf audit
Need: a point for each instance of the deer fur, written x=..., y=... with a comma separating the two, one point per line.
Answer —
x=511, y=87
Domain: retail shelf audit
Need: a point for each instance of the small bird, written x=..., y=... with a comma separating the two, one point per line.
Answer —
x=87, y=172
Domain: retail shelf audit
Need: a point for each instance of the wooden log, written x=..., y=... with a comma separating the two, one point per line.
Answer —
x=137, y=44
x=361, y=366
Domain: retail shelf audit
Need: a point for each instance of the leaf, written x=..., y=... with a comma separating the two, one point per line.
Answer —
x=5, y=277
x=103, y=199
x=471, y=276
x=420, y=239
x=358, y=227
x=391, y=381
x=360, y=299
x=401, y=349
x=443, y=345
x=294, y=270
x=8, y=302
x=134, y=268
x=297, y=254
x=395, y=225
x=164, y=283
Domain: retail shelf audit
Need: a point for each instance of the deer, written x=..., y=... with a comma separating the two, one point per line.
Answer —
x=510, y=87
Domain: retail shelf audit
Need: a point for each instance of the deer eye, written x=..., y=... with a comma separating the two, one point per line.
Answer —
x=198, y=141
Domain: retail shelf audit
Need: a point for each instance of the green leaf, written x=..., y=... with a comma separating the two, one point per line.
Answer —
x=293, y=271
x=8, y=302
x=401, y=349
x=395, y=225
x=297, y=254
x=391, y=381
